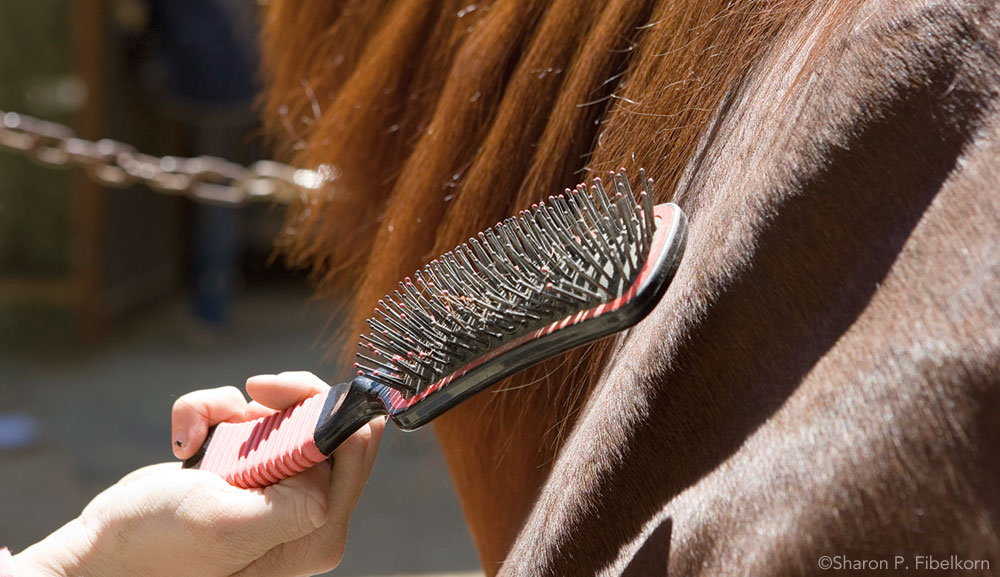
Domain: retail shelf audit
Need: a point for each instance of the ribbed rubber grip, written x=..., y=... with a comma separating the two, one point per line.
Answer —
x=262, y=452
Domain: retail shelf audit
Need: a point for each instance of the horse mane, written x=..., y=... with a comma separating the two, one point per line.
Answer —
x=439, y=119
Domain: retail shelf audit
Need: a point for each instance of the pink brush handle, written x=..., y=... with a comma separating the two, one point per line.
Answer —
x=262, y=452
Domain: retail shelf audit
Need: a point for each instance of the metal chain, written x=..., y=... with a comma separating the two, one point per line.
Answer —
x=205, y=179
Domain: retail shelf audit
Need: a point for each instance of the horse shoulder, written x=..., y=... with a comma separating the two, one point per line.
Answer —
x=821, y=378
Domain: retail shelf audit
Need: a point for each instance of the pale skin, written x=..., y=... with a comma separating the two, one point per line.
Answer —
x=164, y=520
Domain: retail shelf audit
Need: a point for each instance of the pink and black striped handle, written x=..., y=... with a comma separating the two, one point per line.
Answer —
x=483, y=345
x=259, y=453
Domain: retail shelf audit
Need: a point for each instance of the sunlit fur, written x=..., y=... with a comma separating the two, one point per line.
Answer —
x=821, y=379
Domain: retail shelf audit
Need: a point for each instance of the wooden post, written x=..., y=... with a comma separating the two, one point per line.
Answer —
x=90, y=63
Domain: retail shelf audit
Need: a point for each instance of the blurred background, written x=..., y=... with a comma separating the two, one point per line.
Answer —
x=114, y=301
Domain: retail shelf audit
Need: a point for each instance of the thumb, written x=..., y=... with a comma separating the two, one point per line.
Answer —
x=265, y=518
x=323, y=549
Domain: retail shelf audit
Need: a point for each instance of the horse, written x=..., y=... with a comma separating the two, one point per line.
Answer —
x=818, y=388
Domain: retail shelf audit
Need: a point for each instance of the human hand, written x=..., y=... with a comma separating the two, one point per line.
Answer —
x=164, y=520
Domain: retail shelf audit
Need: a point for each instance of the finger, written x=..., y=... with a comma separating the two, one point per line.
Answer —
x=256, y=410
x=280, y=513
x=309, y=555
x=285, y=389
x=195, y=412
x=323, y=549
x=352, y=464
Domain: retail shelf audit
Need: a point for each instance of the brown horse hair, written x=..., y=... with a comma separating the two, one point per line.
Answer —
x=441, y=118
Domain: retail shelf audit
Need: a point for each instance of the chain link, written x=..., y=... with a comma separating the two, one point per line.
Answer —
x=205, y=179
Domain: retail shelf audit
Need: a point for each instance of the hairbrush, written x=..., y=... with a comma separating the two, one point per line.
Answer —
x=583, y=265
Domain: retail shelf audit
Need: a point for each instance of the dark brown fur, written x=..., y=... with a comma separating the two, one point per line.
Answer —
x=821, y=379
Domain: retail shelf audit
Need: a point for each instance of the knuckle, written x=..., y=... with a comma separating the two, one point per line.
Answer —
x=206, y=515
x=303, y=521
x=329, y=556
x=184, y=401
x=304, y=377
x=198, y=520
x=231, y=391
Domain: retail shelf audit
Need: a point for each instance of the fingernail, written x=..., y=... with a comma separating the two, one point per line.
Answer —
x=181, y=439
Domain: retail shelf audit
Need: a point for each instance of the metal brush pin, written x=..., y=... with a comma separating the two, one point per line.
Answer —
x=581, y=265
x=580, y=249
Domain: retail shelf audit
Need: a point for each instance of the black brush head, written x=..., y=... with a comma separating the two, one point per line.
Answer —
x=587, y=263
x=584, y=264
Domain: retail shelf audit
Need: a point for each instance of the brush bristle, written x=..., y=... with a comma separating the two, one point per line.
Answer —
x=581, y=249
